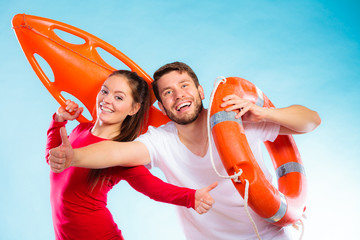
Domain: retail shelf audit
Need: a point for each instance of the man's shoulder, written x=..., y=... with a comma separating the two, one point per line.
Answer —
x=166, y=128
x=159, y=133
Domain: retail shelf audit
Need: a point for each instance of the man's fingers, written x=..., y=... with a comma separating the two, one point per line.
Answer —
x=230, y=104
x=229, y=97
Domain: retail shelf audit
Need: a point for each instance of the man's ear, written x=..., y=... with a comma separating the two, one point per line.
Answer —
x=201, y=91
x=161, y=108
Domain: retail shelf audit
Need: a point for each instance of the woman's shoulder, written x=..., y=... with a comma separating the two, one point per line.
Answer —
x=83, y=127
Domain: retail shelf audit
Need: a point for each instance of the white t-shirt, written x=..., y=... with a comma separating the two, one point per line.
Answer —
x=227, y=219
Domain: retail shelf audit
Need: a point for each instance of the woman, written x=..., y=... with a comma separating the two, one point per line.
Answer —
x=79, y=195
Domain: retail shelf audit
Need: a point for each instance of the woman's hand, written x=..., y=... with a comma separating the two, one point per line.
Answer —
x=203, y=200
x=61, y=157
x=71, y=112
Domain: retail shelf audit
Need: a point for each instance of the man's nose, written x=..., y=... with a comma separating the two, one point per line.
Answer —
x=179, y=93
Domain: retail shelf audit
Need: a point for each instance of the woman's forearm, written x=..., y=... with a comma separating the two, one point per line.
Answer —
x=110, y=153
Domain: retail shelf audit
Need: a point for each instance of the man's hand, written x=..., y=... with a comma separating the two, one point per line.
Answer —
x=203, y=200
x=61, y=157
x=244, y=108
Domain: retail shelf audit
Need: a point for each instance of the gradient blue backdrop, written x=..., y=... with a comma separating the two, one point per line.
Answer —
x=298, y=52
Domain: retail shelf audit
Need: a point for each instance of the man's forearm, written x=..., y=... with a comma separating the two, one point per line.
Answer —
x=296, y=118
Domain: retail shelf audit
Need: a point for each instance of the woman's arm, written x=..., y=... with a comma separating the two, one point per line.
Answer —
x=143, y=181
x=53, y=136
x=59, y=120
x=100, y=155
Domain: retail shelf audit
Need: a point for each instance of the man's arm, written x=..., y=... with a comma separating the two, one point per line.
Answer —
x=100, y=155
x=295, y=119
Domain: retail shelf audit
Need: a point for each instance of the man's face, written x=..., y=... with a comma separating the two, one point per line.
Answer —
x=181, y=99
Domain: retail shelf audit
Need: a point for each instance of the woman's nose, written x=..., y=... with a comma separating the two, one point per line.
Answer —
x=107, y=98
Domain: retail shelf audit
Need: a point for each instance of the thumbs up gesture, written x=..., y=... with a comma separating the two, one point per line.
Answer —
x=203, y=200
x=61, y=157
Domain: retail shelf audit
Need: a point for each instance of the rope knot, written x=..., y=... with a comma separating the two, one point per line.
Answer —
x=236, y=176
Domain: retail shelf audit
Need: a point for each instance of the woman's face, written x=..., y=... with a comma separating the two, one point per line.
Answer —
x=114, y=101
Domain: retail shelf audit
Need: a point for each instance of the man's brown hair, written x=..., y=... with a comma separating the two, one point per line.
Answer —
x=175, y=66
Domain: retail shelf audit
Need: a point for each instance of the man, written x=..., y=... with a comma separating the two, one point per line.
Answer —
x=180, y=150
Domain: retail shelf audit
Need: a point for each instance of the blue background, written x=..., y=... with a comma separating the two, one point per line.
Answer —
x=297, y=52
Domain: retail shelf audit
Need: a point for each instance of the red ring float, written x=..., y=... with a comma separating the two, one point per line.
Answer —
x=78, y=68
x=282, y=206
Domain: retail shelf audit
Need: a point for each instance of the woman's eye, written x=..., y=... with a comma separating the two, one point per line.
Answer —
x=118, y=98
x=103, y=91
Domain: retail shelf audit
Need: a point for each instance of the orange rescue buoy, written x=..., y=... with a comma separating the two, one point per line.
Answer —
x=282, y=206
x=78, y=68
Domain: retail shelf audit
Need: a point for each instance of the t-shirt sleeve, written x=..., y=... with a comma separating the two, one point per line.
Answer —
x=143, y=181
x=150, y=138
x=53, y=136
x=263, y=131
x=271, y=131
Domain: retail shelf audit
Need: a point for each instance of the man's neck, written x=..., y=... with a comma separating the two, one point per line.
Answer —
x=194, y=135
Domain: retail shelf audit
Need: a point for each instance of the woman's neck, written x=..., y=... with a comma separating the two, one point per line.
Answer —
x=105, y=131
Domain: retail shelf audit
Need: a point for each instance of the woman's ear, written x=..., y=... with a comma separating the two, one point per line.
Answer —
x=135, y=109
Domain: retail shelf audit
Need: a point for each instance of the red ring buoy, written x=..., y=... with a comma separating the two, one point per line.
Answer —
x=282, y=206
x=78, y=68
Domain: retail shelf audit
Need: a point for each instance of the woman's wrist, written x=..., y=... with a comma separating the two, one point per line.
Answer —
x=58, y=118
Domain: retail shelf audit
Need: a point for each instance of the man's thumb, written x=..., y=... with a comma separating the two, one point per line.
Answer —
x=64, y=137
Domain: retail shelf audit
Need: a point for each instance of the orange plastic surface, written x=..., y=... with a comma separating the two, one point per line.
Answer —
x=235, y=153
x=78, y=69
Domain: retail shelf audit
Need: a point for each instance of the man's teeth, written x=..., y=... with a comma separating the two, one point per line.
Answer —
x=183, y=105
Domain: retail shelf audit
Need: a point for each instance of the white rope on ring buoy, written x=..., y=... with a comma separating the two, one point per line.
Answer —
x=300, y=222
x=236, y=176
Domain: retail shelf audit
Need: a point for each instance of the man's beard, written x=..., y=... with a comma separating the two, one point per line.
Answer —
x=189, y=118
